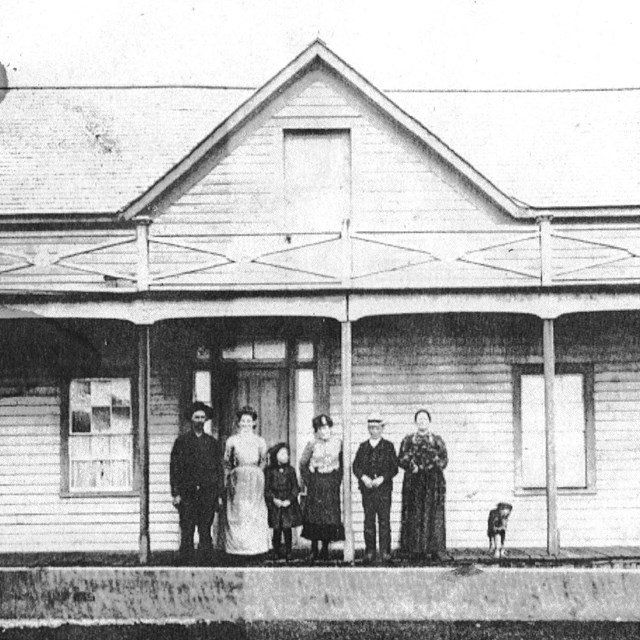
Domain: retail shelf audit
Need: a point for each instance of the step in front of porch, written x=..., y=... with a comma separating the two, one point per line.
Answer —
x=315, y=596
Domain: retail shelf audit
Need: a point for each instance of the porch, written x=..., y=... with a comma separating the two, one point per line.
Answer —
x=462, y=364
x=459, y=559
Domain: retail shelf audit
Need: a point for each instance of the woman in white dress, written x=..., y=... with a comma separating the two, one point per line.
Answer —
x=246, y=527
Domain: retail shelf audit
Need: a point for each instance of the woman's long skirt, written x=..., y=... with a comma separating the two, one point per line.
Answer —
x=423, y=529
x=321, y=518
x=246, y=529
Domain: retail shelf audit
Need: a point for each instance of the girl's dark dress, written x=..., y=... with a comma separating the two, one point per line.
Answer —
x=281, y=482
x=423, y=495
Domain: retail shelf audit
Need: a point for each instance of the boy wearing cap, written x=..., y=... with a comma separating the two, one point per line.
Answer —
x=197, y=480
x=375, y=466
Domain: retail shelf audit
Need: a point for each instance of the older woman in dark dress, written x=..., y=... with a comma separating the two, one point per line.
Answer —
x=423, y=456
x=321, y=472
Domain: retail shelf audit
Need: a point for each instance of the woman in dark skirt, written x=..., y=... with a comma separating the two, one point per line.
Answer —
x=423, y=456
x=321, y=472
x=281, y=491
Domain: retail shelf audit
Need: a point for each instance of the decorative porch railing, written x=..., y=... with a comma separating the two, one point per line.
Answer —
x=527, y=255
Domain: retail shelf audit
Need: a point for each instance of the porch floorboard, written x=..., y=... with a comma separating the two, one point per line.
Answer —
x=516, y=557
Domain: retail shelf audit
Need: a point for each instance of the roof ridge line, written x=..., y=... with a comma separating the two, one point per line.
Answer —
x=248, y=88
x=112, y=87
x=565, y=90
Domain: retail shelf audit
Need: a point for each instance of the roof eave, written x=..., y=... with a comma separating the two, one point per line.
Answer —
x=44, y=220
x=585, y=211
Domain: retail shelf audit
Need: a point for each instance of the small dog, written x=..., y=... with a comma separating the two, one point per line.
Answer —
x=497, y=527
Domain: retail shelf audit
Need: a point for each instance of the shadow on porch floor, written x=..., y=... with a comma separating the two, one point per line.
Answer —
x=515, y=557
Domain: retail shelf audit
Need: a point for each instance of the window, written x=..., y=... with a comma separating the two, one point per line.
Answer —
x=256, y=350
x=98, y=433
x=574, y=427
x=317, y=176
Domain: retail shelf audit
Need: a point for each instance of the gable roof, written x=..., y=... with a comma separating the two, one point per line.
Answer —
x=103, y=151
x=318, y=53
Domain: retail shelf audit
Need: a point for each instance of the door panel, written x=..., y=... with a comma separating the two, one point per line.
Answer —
x=266, y=390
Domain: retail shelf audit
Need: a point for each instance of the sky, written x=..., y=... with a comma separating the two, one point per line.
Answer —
x=396, y=44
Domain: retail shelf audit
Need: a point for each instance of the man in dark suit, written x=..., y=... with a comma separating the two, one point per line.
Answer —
x=197, y=482
x=375, y=466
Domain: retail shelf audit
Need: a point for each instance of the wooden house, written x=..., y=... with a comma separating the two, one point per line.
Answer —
x=319, y=245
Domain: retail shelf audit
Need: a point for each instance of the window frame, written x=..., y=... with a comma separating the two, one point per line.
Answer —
x=320, y=364
x=312, y=126
x=587, y=372
x=65, y=490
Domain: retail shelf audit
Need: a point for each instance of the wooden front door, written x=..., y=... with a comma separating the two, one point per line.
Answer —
x=266, y=390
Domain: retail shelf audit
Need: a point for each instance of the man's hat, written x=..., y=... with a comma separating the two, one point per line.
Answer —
x=376, y=418
x=199, y=406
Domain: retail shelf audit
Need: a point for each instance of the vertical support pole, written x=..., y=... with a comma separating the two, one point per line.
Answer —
x=346, y=355
x=548, y=351
x=546, y=258
x=347, y=252
x=144, y=390
x=142, y=238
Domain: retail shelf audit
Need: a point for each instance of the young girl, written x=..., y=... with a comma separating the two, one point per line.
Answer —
x=281, y=491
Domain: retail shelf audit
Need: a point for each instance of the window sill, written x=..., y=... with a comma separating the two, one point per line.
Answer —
x=589, y=491
x=99, y=494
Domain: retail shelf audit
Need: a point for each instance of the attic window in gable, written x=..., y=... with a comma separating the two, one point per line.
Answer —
x=317, y=178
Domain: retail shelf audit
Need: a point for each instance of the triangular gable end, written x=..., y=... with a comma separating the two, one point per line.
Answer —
x=316, y=53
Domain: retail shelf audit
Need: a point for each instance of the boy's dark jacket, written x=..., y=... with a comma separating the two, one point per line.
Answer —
x=376, y=461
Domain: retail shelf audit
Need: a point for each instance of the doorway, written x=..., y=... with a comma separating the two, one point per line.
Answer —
x=266, y=389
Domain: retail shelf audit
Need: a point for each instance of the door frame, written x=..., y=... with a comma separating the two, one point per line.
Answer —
x=214, y=337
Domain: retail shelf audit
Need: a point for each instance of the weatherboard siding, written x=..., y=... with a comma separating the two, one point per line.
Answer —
x=465, y=380
x=33, y=515
x=401, y=194
x=164, y=428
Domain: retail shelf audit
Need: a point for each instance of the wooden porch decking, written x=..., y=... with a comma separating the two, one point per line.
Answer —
x=616, y=556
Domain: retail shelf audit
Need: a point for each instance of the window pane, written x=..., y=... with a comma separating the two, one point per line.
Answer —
x=100, y=419
x=242, y=351
x=80, y=394
x=304, y=407
x=203, y=354
x=570, y=431
x=269, y=350
x=100, y=393
x=202, y=386
x=121, y=420
x=304, y=385
x=80, y=422
x=304, y=351
x=120, y=392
